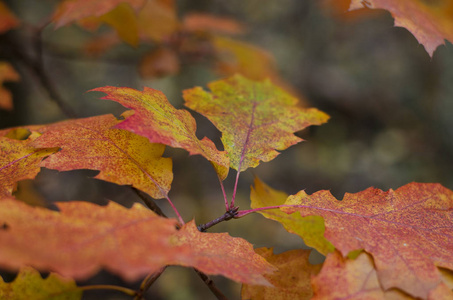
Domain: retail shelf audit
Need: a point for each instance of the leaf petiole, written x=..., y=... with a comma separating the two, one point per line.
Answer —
x=108, y=287
x=243, y=213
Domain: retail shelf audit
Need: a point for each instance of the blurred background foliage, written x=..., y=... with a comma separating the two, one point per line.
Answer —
x=390, y=106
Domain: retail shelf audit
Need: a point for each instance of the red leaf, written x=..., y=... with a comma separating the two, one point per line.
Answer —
x=429, y=21
x=408, y=231
x=343, y=278
x=83, y=237
x=73, y=10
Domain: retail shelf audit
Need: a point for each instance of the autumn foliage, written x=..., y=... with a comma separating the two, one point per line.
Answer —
x=395, y=244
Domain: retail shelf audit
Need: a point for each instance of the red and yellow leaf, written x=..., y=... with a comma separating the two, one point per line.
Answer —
x=290, y=281
x=310, y=228
x=255, y=118
x=30, y=285
x=7, y=73
x=74, y=10
x=122, y=157
x=18, y=161
x=408, y=231
x=82, y=238
x=7, y=19
x=156, y=119
x=429, y=21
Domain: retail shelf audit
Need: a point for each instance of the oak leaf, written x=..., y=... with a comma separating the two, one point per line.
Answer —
x=7, y=73
x=30, y=285
x=290, y=281
x=19, y=161
x=407, y=231
x=122, y=157
x=7, y=19
x=429, y=21
x=310, y=228
x=255, y=118
x=69, y=11
x=156, y=119
x=82, y=238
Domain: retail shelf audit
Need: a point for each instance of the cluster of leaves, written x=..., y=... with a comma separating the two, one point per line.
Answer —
x=395, y=244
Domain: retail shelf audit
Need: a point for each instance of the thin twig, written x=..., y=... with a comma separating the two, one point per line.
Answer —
x=108, y=287
x=181, y=221
x=211, y=285
x=228, y=215
x=149, y=203
x=147, y=282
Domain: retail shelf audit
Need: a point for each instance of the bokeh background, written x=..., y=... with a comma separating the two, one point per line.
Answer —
x=390, y=106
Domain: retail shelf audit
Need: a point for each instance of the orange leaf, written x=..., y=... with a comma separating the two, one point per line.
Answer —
x=255, y=118
x=290, y=281
x=239, y=57
x=429, y=21
x=159, y=63
x=210, y=23
x=74, y=10
x=82, y=238
x=408, y=231
x=18, y=161
x=7, y=19
x=121, y=156
x=220, y=254
x=7, y=73
x=157, y=20
x=156, y=119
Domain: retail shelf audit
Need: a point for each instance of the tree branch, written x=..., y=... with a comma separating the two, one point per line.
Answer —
x=211, y=285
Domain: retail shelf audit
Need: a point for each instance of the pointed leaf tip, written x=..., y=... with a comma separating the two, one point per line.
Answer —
x=431, y=22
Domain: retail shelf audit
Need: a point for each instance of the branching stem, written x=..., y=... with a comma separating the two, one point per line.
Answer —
x=228, y=215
